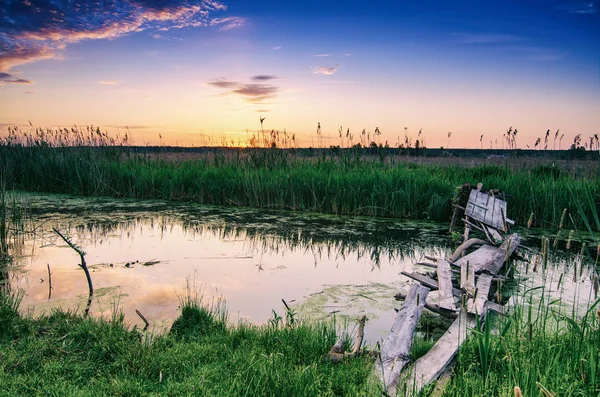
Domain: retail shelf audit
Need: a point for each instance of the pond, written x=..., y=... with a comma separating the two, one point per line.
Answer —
x=143, y=255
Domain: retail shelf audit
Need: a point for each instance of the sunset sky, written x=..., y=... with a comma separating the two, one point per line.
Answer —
x=202, y=72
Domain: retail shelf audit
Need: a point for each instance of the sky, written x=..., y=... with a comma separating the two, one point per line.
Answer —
x=449, y=73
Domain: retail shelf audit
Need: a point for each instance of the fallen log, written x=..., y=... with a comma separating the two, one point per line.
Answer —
x=395, y=349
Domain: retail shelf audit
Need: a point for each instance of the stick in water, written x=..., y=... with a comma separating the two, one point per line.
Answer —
x=82, y=265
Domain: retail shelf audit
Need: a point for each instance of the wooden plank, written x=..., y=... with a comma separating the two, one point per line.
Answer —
x=424, y=280
x=484, y=282
x=487, y=209
x=495, y=307
x=445, y=297
x=427, y=368
x=478, y=258
x=428, y=282
x=467, y=278
x=395, y=349
x=497, y=259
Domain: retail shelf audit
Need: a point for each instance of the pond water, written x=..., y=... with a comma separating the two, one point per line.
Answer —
x=144, y=254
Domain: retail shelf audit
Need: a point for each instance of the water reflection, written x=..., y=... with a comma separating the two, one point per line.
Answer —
x=141, y=256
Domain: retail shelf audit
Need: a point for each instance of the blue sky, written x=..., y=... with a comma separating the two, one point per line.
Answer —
x=202, y=72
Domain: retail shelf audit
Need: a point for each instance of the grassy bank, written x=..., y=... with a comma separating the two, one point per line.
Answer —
x=353, y=182
x=66, y=354
x=541, y=348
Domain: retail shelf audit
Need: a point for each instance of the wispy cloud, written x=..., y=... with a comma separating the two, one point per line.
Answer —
x=322, y=55
x=326, y=70
x=256, y=92
x=39, y=29
x=226, y=24
x=580, y=7
x=542, y=54
x=277, y=48
x=251, y=92
x=222, y=83
x=348, y=54
x=263, y=77
x=7, y=78
x=487, y=38
x=109, y=82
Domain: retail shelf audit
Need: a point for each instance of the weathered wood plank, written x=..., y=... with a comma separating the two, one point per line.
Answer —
x=445, y=297
x=497, y=259
x=465, y=246
x=495, y=307
x=395, y=349
x=427, y=368
x=428, y=282
x=484, y=282
x=487, y=209
x=424, y=280
x=478, y=258
x=467, y=278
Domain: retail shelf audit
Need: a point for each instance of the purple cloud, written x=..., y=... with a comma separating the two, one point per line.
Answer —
x=39, y=29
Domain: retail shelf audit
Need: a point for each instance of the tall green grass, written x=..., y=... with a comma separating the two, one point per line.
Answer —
x=349, y=183
x=65, y=354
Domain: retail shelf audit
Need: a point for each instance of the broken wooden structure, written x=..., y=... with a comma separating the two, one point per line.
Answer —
x=464, y=297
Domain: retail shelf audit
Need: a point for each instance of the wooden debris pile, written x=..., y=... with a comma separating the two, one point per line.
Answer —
x=462, y=281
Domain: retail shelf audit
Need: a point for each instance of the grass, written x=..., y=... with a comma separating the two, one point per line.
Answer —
x=65, y=354
x=351, y=182
x=552, y=351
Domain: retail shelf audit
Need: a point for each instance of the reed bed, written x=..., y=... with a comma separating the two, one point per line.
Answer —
x=352, y=182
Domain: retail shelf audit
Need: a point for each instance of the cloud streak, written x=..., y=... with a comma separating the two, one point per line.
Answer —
x=263, y=77
x=580, y=7
x=489, y=38
x=326, y=70
x=251, y=92
x=109, y=82
x=7, y=78
x=31, y=30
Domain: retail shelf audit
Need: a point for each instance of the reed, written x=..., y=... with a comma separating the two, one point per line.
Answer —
x=351, y=182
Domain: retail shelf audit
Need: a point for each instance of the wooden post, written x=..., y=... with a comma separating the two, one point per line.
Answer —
x=445, y=297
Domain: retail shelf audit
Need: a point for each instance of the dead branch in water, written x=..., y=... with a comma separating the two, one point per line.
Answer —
x=146, y=323
x=82, y=265
x=49, y=282
x=336, y=353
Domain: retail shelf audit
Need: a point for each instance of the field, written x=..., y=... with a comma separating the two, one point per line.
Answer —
x=541, y=347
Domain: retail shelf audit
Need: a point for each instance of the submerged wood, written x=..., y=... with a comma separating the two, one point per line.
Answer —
x=395, y=350
x=445, y=296
x=427, y=368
